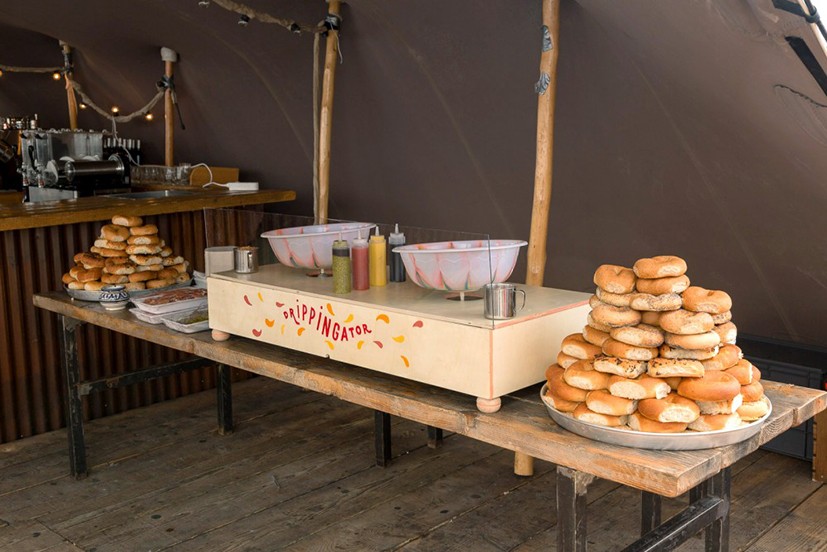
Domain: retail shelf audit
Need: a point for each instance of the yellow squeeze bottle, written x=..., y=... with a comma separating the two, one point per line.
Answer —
x=378, y=270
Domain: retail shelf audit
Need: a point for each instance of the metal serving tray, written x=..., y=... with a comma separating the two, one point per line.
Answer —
x=689, y=440
x=85, y=295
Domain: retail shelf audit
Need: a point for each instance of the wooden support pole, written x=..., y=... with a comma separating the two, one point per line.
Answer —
x=70, y=91
x=169, y=57
x=546, y=89
x=326, y=120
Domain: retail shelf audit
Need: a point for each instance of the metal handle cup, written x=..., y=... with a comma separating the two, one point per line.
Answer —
x=501, y=301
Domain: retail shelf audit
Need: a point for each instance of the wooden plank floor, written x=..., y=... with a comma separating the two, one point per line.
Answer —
x=298, y=474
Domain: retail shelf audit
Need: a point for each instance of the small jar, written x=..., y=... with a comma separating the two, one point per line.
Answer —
x=114, y=297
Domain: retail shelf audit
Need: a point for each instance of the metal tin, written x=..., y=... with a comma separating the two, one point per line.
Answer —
x=246, y=259
x=626, y=437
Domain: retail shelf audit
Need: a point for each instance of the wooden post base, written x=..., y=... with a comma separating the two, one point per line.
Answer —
x=489, y=406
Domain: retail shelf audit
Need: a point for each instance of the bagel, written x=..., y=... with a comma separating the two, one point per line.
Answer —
x=166, y=250
x=742, y=371
x=754, y=410
x=644, y=387
x=727, y=357
x=615, y=317
x=698, y=299
x=167, y=274
x=651, y=318
x=74, y=284
x=75, y=270
x=146, y=260
x=662, y=266
x=596, y=325
x=619, y=366
x=95, y=285
x=752, y=392
x=95, y=249
x=563, y=359
x=151, y=267
x=657, y=303
x=143, y=240
x=619, y=349
x=671, y=408
x=705, y=340
x=127, y=220
x=145, y=230
x=104, y=252
x=715, y=422
x=684, y=322
x=92, y=260
x=614, y=278
x=119, y=265
x=170, y=260
x=603, y=402
x=713, y=386
x=89, y=275
x=673, y=367
x=134, y=286
x=642, y=335
x=639, y=422
x=115, y=233
x=673, y=382
x=727, y=332
x=594, y=301
x=143, y=250
x=114, y=278
x=614, y=299
x=756, y=373
x=158, y=283
x=595, y=337
x=180, y=267
x=106, y=244
x=659, y=286
x=575, y=345
x=560, y=404
x=721, y=407
x=78, y=256
x=585, y=414
x=667, y=351
x=68, y=278
x=561, y=389
x=582, y=375
x=722, y=317
x=136, y=277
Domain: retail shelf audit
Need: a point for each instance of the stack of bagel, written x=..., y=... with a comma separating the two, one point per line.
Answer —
x=130, y=253
x=656, y=355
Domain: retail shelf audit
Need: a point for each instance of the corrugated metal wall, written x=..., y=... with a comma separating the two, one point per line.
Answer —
x=31, y=378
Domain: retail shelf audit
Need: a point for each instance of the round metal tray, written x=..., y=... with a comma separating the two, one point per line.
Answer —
x=689, y=440
x=84, y=295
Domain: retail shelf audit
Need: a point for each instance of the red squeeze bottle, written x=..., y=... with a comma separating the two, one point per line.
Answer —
x=359, y=256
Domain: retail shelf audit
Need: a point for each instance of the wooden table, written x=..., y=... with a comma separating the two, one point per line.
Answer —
x=521, y=425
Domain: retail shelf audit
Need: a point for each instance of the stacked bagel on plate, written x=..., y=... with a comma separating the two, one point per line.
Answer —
x=656, y=355
x=130, y=253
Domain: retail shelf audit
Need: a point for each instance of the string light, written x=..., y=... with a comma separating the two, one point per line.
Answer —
x=82, y=105
x=115, y=109
x=203, y=3
x=149, y=116
x=243, y=20
x=56, y=75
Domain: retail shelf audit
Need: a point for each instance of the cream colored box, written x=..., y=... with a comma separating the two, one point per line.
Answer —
x=401, y=329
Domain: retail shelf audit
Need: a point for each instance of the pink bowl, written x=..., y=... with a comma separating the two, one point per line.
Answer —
x=460, y=265
x=312, y=246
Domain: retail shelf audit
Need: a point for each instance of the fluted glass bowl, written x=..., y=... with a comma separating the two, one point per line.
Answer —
x=465, y=265
x=311, y=247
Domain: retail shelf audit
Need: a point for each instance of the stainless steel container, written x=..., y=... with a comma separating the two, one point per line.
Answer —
x=246, y=259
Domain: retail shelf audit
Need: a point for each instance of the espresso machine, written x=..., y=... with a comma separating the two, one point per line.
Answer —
x=67, y=164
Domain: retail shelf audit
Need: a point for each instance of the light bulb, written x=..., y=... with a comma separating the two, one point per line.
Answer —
x=149, y=116
x=115, y=109
x=243, y=20
x=82, y=105
x=56, y=75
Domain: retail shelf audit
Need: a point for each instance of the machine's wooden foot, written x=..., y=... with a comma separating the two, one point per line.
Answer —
x=489, y=406
x=218, y=335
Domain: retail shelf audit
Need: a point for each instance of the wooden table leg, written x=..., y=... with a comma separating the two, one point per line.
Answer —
x=717, y=534
x=571, y=509
x=74, y=404
x=224, y=391
x=382, y=437
x=434, y=437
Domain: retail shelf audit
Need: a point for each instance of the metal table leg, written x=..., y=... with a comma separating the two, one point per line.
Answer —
x=650, y=511
x=224, y=392
x=382, y=437
x=74, y=404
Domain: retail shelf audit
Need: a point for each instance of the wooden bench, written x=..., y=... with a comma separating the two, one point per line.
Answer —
x=521, y=425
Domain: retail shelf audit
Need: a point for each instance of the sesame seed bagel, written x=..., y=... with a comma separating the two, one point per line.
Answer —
x=614, y=299
x=641, y=335
x=686, y=322
x=657, y=303
x=619, y=366
x=659, y=286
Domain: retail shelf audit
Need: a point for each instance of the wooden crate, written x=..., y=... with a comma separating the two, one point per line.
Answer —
x=400, y=329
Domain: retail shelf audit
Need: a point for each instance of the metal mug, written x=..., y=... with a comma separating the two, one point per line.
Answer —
x=501, y=301
x=246, y=259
